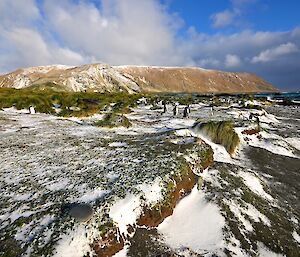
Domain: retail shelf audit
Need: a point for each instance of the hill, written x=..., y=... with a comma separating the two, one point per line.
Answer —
x=134, y=79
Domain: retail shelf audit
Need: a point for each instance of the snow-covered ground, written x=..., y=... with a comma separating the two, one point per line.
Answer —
x=196, y=224
x=47, y=162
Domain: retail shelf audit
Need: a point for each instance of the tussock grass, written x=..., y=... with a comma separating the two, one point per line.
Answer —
x=111, y=120
x=87, y=103
x=221, y=132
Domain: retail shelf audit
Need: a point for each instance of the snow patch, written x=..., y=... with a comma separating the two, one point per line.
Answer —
x=239, y=214
x=118, y=144
x=58, y=185
x=253, y=213
x=294, y=141
x=254, y=184
x=195, y=223
x=74, y=244
x=270, y=142
x=152, y=191
x=125, y=212
x=93, y=195
x=263, y=251
x=296, y=237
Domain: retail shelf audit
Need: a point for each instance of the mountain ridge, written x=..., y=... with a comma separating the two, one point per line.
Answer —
x=135, y=79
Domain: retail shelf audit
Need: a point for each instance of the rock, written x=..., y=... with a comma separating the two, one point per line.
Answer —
x=79, y=211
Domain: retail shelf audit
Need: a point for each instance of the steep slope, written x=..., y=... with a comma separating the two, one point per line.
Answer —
x=94, y=77
x=160, y=79
x=132, y=79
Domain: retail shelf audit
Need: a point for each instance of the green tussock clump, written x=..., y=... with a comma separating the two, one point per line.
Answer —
x=221, y=132
x=24, y=99
x=252, y=107
x=111, y=120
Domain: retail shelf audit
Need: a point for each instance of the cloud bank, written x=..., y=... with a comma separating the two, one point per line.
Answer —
x=139, y=32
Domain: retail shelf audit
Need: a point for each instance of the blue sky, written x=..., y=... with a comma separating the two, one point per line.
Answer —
x=257, y=36
x=267, y=15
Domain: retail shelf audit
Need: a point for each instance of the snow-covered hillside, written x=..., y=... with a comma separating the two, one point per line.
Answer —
x=131, y=79
x=96, y=77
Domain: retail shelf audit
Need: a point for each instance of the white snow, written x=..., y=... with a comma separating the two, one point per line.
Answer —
x=294, y=220
x=239, y=214
x=249, y=210
x=45, y=69
x=58, y=185
x=158, y=67
x=211, y=175
x=22, y=197
x=294, y=141
x=19, y=213
x=268, y=118
x=296, y=236
x=118, y=144
x=93, y=195
x=270, y=142
x=73, y=244
x=220, y=153
x=252, y=102
x=195, y=223
x=234, y=246
x=152, y=191
x=254, y=214
x=14, y=110
x=183, y=132
x=254, y=184
x=125, y=212
x=263, y=251
x=122, y=253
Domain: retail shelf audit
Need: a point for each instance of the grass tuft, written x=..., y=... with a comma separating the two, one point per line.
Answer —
x=221, y=132
x=111, y=120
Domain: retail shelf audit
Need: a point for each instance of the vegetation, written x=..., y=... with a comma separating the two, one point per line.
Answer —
x=52, y=99
x=66, y=103
x=113, y=120
x=253, y=107
x=221, y=132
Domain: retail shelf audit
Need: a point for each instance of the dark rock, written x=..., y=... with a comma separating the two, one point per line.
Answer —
x=79, y=211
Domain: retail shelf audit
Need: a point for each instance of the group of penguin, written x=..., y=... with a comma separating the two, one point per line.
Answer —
x=186, y=110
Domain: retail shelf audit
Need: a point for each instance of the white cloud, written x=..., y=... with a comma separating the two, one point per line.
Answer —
x=132, y=31
x=232, y=61
x=20, y=12
x=230, y=16
x=26, y=47
x=135, y=32
x=68, y=57
x=276, y=52
x=223, y=19
x=209, y=62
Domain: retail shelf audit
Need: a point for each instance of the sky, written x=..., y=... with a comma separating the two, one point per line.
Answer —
x=257, y=36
